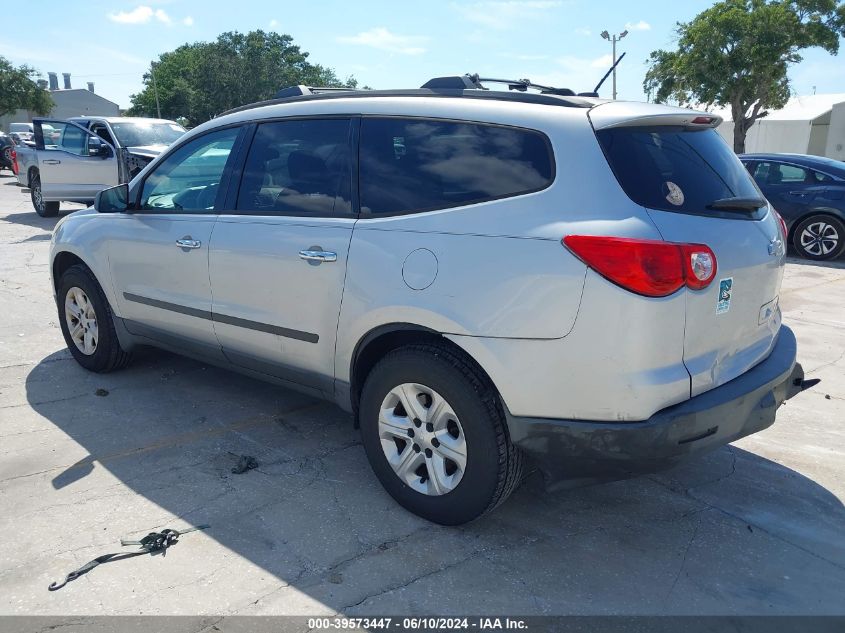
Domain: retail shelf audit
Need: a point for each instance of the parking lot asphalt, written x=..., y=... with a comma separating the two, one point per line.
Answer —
x=757, y=527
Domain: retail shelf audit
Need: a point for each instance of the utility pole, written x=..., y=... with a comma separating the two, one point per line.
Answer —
x=613, y=39
x=155, y=88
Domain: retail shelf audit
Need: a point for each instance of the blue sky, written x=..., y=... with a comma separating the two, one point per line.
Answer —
x=383, y=44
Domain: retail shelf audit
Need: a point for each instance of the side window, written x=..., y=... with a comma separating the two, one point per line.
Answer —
x=411, y=165
x=188, y=180
x=298, y=167
x=65, y=137
x=779, y=173
x=103, y=132
x=820, y=177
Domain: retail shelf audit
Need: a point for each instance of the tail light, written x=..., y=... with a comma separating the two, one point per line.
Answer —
x=784, y=231
x=647, y=267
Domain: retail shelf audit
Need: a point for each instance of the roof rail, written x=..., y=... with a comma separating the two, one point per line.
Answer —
x=465, y=82
x=470, y=82
x=304, y=93
x=301, y=91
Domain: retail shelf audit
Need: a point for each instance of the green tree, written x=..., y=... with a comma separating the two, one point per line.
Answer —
x=200, y=80
x=737, y=53
x=19, y=91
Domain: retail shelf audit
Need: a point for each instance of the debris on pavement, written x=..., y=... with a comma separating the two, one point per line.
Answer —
x=152, y=543
x=245, y=463
x=101, y=392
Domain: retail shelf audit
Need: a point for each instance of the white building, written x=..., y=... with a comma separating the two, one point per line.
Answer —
x=814, y=124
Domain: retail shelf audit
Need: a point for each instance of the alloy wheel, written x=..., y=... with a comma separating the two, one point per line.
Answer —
x=422, y=439
x=819, y=238
x=37, y=197
x=81, y=321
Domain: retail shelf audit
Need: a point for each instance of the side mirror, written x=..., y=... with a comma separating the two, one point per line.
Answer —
x=96, y=147
x=112, y=200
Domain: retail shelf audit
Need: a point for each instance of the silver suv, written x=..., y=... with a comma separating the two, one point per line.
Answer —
x=488, y=280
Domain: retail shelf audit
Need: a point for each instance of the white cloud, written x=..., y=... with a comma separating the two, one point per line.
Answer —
x=273, y=23
x=605, y=61
x=188, y=21
x=161, y=16
x=143, y=14
x=502, y=14
x=138, y=15
x=382, y=39
x=583, y=31
x=642, y=25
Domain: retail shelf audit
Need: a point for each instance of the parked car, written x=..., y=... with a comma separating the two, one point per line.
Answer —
x=24, y=131
x=75, y=159
x=809, y=192
x=480, y=276
x=7, y=149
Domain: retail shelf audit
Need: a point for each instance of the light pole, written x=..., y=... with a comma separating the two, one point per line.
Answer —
x=613, y=39
x=155, y=88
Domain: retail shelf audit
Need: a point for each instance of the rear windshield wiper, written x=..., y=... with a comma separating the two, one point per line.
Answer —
x=737, y=204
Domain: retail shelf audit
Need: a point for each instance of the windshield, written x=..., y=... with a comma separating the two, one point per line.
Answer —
x=20, y=127
x=676, y=169
x=139, y=134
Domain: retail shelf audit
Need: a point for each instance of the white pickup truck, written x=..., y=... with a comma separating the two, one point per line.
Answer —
x=74, y=159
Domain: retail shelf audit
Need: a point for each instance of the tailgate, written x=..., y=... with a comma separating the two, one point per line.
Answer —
x=695, y=189
x=731, y=325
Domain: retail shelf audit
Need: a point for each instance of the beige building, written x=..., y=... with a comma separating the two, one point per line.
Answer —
x=68, y=102
x=813, y=124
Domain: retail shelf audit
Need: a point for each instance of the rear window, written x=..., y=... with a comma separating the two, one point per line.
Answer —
x=675, y=169
x=412, y=165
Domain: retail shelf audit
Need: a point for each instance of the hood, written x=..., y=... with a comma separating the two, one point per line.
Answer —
x=147, y=151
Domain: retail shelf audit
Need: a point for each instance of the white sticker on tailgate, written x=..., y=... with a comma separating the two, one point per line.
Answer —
x=725, y=288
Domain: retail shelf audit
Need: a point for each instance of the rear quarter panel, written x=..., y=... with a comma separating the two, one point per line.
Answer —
x=502, y=271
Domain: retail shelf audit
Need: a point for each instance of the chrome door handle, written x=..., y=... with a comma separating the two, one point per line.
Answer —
x=318, y=256
x=187, y=242
x=52, y=161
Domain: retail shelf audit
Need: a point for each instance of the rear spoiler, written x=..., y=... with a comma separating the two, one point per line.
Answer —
x=615, y=114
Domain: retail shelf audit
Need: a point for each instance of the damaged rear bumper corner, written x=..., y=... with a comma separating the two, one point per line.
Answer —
x=575, y=452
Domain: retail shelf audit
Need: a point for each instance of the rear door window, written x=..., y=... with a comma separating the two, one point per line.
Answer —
x=675, y=169
x=298, y=167
x=412, y=165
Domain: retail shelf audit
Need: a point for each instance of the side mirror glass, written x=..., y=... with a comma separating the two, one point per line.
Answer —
x=96, y=147
x=113, y=199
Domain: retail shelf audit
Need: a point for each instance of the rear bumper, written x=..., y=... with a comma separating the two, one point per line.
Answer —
x=569, y=452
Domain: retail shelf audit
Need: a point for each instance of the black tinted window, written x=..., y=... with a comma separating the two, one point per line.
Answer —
x=417, y=165
x=675, y=169
x=298, y=168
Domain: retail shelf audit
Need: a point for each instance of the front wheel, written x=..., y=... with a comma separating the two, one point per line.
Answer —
x=435, y=435
x=819, y=237
x=43, y=208
x=87, y=323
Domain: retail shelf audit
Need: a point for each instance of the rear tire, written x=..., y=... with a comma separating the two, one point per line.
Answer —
x=426, y=480
x=819, y=237
x=42, y=208
x=87, y=322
